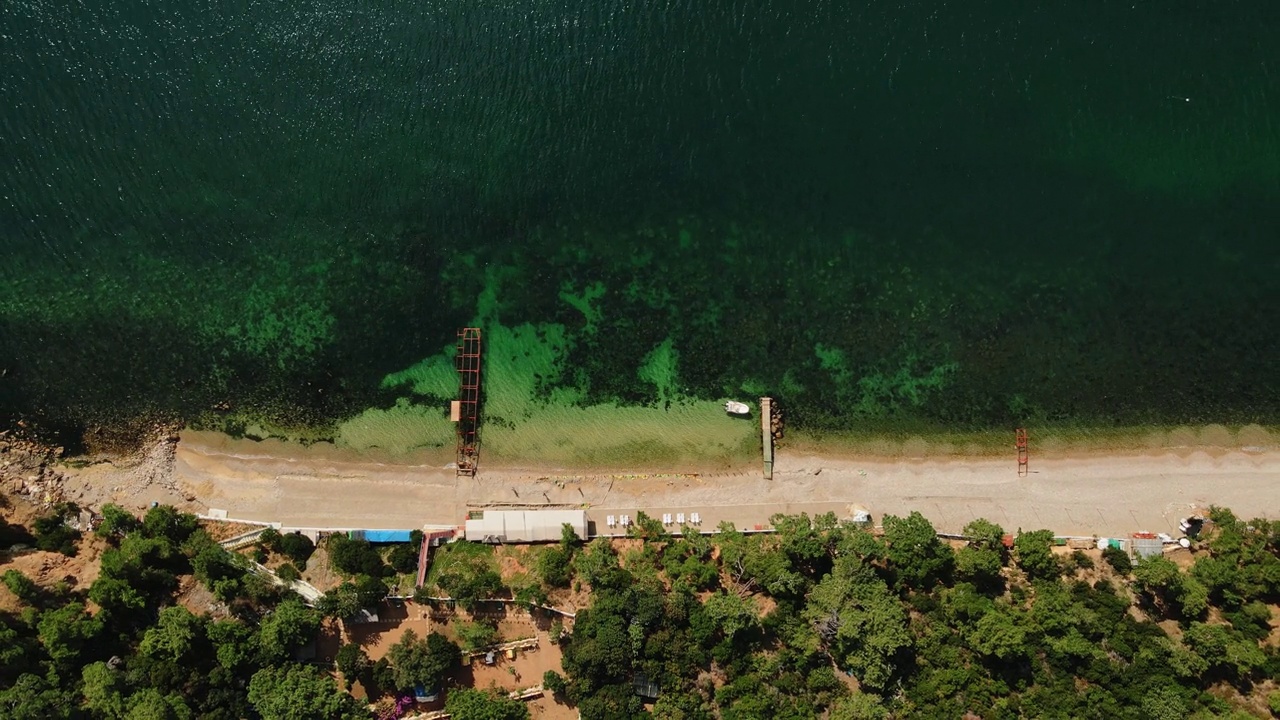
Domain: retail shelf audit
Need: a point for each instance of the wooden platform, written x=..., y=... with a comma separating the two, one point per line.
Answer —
x=766, y=435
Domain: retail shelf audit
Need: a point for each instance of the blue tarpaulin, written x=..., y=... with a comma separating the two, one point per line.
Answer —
x=382, y=536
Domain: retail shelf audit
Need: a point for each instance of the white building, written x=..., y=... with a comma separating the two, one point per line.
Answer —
x=525, y=526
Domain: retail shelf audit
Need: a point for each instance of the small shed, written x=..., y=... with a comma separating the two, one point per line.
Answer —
x=524, y=526
x=1145, y=545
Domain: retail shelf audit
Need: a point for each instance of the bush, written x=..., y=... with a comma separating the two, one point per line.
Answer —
x=116, y=522
x=554, y=682
x=1118, y=560
x=289, y=573
x=355, y=557
x=555, y=568
x=403, y=559
x=54, y=535
x=270, y=539
x=297, y=547
x=476, y=635
x=1273, y=702
x=23, y=587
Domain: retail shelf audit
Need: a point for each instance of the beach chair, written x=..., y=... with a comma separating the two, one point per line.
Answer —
x=679, y=518
x=666, y=518
x=626, y=520
x=695, y=518
x=611, y=521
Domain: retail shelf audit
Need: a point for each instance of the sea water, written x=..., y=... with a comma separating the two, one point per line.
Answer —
x=903, y=216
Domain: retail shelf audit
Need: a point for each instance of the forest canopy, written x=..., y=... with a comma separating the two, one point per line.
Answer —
x=820, y=619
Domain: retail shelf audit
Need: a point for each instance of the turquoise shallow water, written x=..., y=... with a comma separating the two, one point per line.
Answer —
x=973, y=215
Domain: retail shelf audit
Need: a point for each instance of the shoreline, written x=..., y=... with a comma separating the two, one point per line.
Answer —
x=1045, y=444
x=1071, y=491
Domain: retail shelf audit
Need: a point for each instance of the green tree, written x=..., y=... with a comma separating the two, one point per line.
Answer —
x=1164, y=702
x=103, y=691
x=68, y=634
x=354, y=557
x=469, y=704
x=270, y=539
x=1000, y=635
x=164, y=521
x=758, y=562
x=33, y=696
x=22, y=587
x=403, y=558
x=555, y=567
x=348, y=598
x=54, y=535
x=300, y=692
x=352, y=662
x=288, y=573
x=1118, y=559
x=297, y=547
x=984, y=557
x=1224, y=649
x=916, y=555
x=174, y=636
x=859, y=706
x=732, y=613
x=1164, y=584
x=151, y=704
x=235, y=644
x=214, y=567
x=116, y=522
x=1034, y=551
x=554, y=682
x=423, y=661
x=569, y=540
x=117, y=597
x=860, y=622
x=290, y=626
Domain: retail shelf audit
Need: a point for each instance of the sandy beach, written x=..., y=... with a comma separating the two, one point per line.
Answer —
x=1071, y=492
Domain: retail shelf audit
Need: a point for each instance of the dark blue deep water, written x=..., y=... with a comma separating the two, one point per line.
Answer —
x=963, y=214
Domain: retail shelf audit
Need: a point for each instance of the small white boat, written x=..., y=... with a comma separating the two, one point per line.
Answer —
x=733, y=407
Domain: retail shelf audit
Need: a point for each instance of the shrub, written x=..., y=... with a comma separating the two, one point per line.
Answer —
x=297, y=547
x=23, y=587
x=554, y=565
x=555, y=682
x=476, y=635
x=54, y=535
x=355, y=557
x=289, y=573
x=403, y=558
x=116, y=522
x=270, y=539
x=1118, y=560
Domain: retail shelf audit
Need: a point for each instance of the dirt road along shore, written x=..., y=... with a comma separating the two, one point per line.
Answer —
x=1105, y=495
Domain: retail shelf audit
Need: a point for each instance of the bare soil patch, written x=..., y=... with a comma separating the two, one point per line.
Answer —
x=221, y=530
x=318, y=573
x=48, y=569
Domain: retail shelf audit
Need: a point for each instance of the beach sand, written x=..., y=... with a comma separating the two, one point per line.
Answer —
x=1072, y=489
